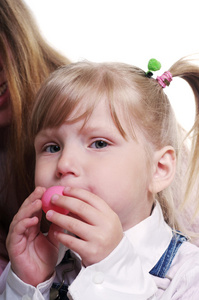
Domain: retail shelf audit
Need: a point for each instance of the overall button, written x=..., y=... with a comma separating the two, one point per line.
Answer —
x=98, y=278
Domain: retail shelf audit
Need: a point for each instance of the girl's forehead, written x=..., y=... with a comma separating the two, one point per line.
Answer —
x=81, y=108
x=90, y=114
x=99, y=118
x=71, y=102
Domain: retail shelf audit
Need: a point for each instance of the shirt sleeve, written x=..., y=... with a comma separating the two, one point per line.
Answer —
x=16, y=289
x=118, y=276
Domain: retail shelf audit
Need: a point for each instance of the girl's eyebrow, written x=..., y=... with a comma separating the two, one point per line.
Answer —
x=96, y=130
x=97, y=125
x=90, y=128
x=45, y=132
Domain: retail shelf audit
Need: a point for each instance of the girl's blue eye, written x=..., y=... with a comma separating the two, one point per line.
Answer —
x=99, y=144
x=52, y=148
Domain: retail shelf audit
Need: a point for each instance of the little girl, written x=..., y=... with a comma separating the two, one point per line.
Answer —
x=108, y=134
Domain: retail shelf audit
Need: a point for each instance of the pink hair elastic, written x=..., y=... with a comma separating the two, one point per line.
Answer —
x=165, y=79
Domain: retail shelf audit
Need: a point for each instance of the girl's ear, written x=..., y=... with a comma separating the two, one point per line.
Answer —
x=164, y=167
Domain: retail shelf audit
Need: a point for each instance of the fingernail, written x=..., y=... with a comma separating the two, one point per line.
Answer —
x=54, y=198
x=67, y=189
x=49, y=214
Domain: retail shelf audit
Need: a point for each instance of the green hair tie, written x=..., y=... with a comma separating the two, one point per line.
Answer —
x=153, y=65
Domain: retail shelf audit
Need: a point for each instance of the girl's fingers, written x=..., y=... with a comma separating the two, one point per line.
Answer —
x=83, y=204
x=78, y=208
x=72, y=242
x=30, y=206
x=36, y=194
x=87, y=197
x=51, y=234
x=73, y=225
x=110, y=226
x=25, y=224
x=15, y=236
x=27, y=211
x=96, y=227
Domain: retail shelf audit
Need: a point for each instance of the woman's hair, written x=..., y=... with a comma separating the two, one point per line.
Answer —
x=141, y=99
x=27, y=60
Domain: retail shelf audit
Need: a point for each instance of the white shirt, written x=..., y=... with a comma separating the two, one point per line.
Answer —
x=124, y=274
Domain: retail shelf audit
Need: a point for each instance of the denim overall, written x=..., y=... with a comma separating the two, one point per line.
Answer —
x=59, y=291
x=164, y=263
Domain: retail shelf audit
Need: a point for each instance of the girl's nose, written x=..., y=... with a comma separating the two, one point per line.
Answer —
x=67, y=164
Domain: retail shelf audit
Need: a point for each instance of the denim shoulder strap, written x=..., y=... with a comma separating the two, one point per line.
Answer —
x=163, y=265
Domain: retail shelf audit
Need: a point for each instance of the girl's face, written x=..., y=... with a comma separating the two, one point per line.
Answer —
x=95, y=157
x=5, y=104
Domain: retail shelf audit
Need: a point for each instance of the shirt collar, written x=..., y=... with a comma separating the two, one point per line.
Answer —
x=150, y=238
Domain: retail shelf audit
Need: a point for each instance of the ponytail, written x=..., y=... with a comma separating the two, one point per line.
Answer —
x=187, y=70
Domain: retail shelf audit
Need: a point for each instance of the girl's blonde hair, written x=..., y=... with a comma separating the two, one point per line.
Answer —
x=187, y=68
x=27, y=60
x=142, y=100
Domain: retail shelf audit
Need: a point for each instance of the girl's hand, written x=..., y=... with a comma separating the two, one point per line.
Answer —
x=96, y=226
x=33, y=256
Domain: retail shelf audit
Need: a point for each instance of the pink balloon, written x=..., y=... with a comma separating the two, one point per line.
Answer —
x=46, y=200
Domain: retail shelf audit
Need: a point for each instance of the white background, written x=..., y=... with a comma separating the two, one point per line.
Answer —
x=128, y=31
